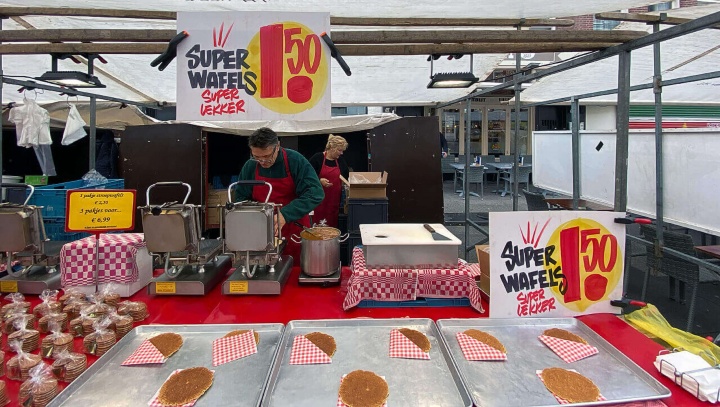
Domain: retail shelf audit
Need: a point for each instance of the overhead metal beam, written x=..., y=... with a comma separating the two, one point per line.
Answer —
x=481, y=36
x=622, y=126
x=664, y=35
x=86, y=12
x=102, y=35
x=451, y=22
x=73, y=92
x=644, y=18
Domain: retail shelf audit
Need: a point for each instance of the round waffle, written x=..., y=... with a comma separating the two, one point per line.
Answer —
x=53, y=345
x=417, y=337
x=4, y=399
x=99, y=343
x=361, y=388
x=111, y=299
x=563, y=334
x=185, y=386
x=19, y=368
x=87, y=325
x=41, y=392
x=9, y=326
x=76, y=327
x=48, y=307
x=167, y=343
x=61, y=319
x=73, y=309
x=325, y=342
x=136, y=309
x=570, y=386
x=68, y=369
x=20, y=306
x=123, y=325
x=242, y=331
x=486, y=338
x=72, y=296
x=30, y=339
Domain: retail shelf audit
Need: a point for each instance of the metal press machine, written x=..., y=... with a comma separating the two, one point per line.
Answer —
x=193, y=265
x=32, y=260
x=249, y=234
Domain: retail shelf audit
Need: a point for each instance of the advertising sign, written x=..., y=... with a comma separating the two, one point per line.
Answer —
x=555, y=263
x=100, y=210
x=237, y=66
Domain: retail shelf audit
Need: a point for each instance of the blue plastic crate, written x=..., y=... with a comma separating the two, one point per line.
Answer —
x=55, y=230
x=420, y=302
x=52, y=197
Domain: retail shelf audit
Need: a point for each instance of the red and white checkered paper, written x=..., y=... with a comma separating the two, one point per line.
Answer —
x=145, y=354
x=304, y=352
x=117, y=259
x=473, y=349
x=569, y=351
x=154, y=402
x=402, y=347
x=562, y=400
x=409, y=284
x=235, y=347
x=341, y=404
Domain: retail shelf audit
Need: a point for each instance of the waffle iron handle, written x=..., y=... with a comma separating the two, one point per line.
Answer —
x=249, y=182
x=15, y=185
x=178, y=183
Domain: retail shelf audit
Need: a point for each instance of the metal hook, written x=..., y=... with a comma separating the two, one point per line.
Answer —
x=77, y=99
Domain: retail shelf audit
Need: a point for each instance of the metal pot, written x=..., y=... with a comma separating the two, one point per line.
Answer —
x=320, y=253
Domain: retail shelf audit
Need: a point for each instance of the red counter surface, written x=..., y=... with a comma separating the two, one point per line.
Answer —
x=314, y=302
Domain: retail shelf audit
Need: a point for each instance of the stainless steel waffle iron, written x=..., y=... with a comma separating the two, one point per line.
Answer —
x=193, y=266
x=249, y=234
x=32, y=262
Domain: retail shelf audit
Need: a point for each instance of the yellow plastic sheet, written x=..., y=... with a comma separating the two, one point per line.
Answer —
x=651, y=322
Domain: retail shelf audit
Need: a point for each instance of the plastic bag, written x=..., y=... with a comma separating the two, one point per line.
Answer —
x=74, y=127
x=77, y=324
x=39, y=388
x=68, y=365
x=18, y=367
x=12, y=317
x=73, y=306
x=121, y=324
x=651, y=322
x=29, y=338
x=71, y=294
x=109, y=295
x=93, y=178
x=136, y=309
x=45, y=323
x=48, y=305
x=17, y=304
x=57, y=342
x=100, y=341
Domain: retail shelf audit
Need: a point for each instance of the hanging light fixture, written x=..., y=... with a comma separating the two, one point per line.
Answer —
x=451, y=79
x=72, y=79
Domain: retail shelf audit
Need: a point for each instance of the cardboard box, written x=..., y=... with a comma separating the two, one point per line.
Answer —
x=145, y=273
x=483, y=254
x=215, y=197
x=366, y=185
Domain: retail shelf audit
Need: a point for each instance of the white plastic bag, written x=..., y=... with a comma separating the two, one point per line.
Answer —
x=74, y=127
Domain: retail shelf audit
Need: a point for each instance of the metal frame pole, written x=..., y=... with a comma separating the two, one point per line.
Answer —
x=622, y=128
x=575, y=121
x=466, y=178
x=93, y=114
x=516, y=160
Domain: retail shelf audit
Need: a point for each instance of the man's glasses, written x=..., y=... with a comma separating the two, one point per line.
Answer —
x=265, y=158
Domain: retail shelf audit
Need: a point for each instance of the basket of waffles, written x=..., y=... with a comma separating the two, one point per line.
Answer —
x=183, y=387
x=18, y=367
x=56, y=342
x=69, y=365
x=155, y=350
x=28, y=338
x=100, y=341
x=49, y=304
x=39, y=388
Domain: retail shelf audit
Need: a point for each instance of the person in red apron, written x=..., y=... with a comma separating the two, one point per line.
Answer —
x=329, y=165
x=295, y=184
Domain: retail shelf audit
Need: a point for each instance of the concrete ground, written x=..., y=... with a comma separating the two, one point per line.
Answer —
x=706, y=321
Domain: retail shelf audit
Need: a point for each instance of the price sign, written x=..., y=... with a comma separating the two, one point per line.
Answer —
x=555, y=263
x=100, y=210
x=238, y=287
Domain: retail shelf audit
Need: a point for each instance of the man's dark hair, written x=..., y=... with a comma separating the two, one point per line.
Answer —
x=263, y=138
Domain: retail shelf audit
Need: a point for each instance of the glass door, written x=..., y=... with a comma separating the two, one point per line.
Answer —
x=451, y=129
x=496, y=131
x=476, y=132
x=523, y=142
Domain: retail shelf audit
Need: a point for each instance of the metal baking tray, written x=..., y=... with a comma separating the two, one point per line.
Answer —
x=237, y=383
x=364, y=344
x=514, y=381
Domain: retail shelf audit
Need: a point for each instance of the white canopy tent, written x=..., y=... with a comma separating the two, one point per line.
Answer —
x=687, y=55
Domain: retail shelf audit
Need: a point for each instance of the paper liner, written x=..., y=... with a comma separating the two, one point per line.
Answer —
x=145, y=354
x=304, y=352
x=476, y=350
x=234, y=347
x=561, y=400
x=569, y=351
x=402, y=347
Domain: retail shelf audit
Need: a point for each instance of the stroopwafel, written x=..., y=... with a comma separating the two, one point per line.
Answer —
x=47, y=307
x=417, y=337
x=563, y=334
x=88, y=324
x=54, y=344
x=18, y=366
x=111, y=299
x=361, y=388
x=570, y=386
x=136, y=309
x=15, y=307
x=167, y=343
x=72, y=309
x=123, y=325
x=4, y=399
x=97, y=343
x=486, y=338
x=10, y=327
x=61, y=319
x=325, y=342
x=185, y=386
x=38, y=393
x=242, y=331
x=69, y=367
x=72, y=296
x=30, y=339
